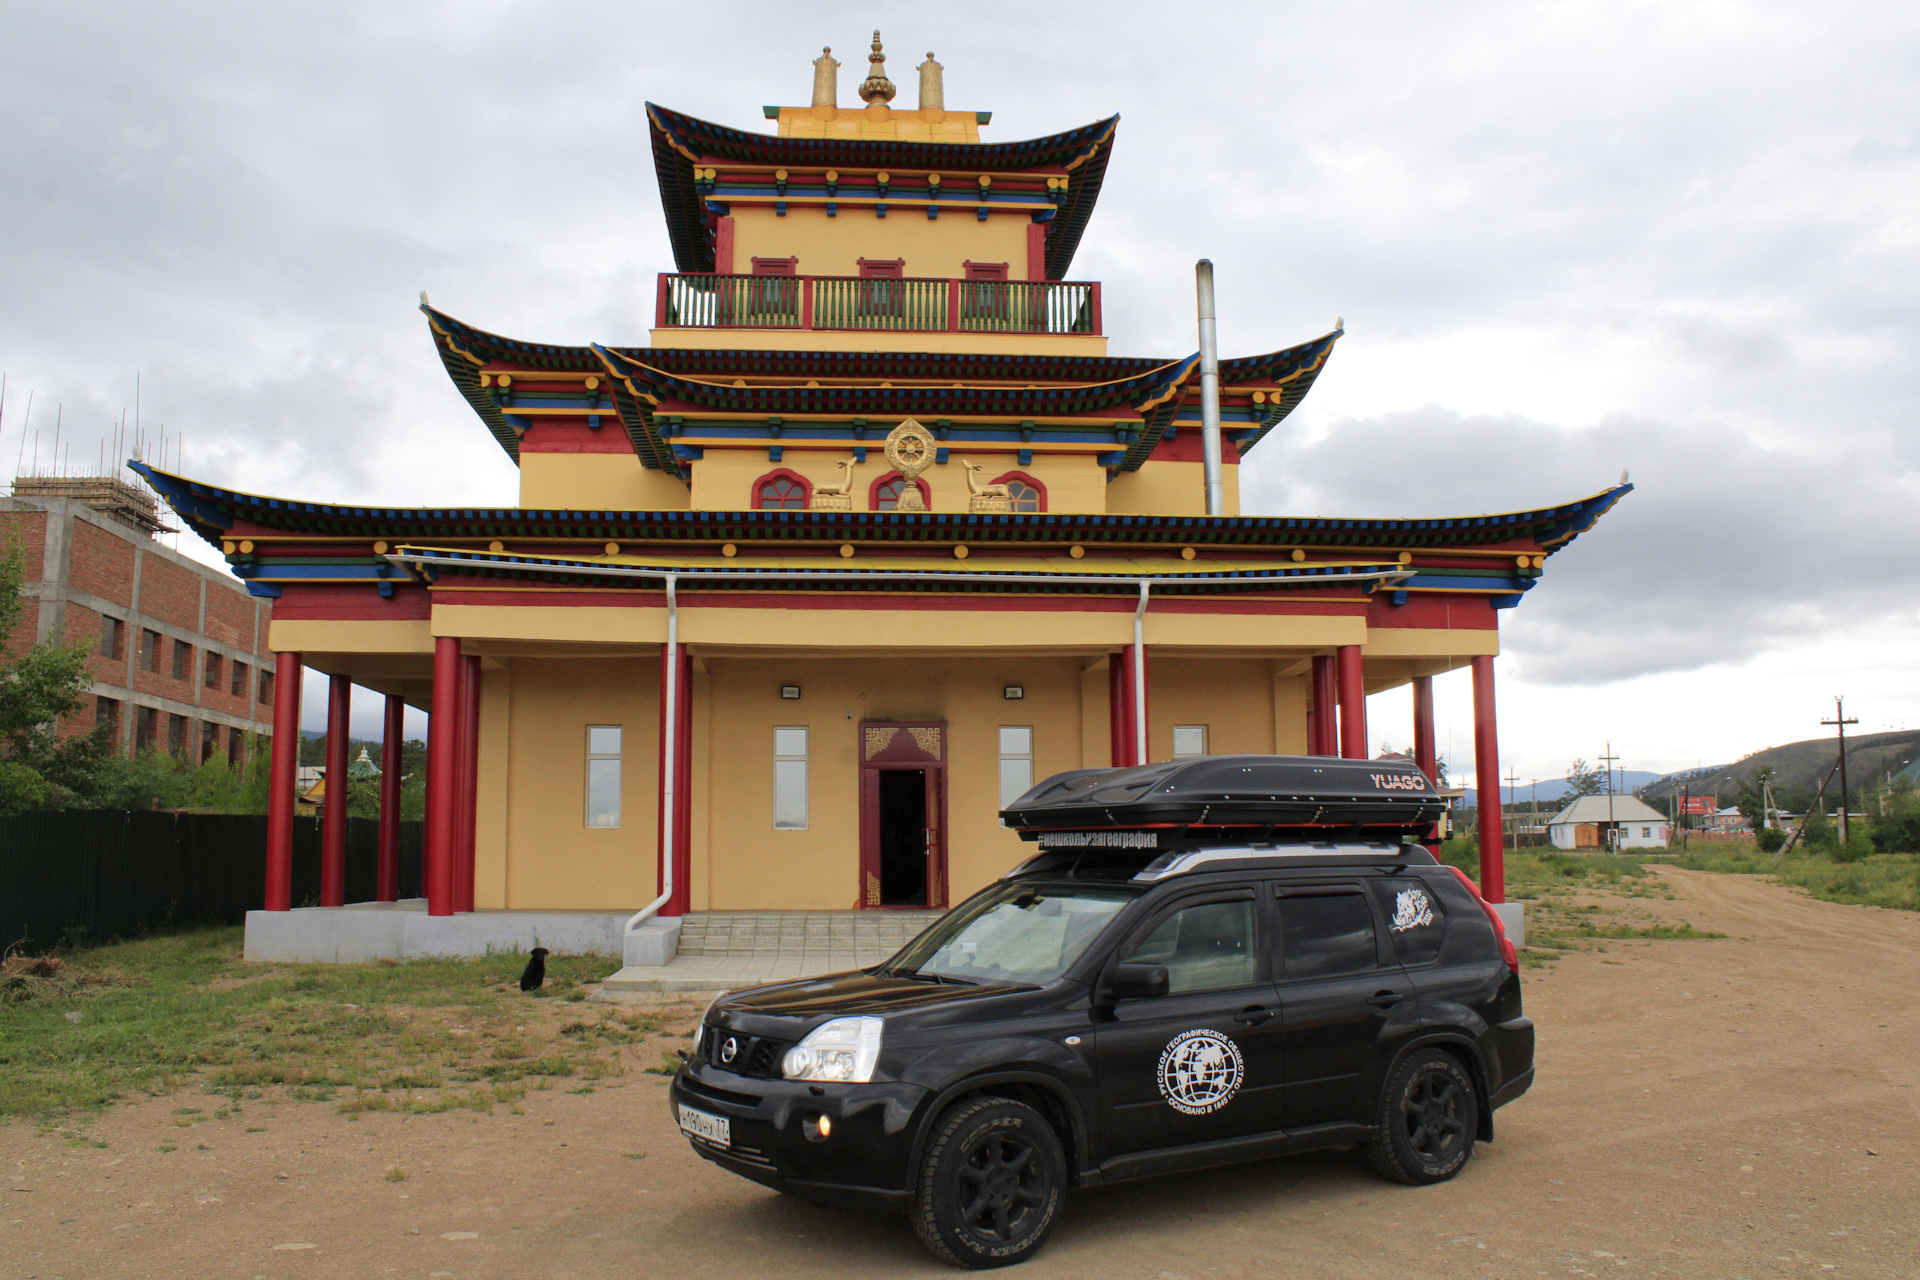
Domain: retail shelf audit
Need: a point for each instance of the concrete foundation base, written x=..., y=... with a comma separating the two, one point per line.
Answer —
x=365, y=931
x=654, y=943
x=1513, y=917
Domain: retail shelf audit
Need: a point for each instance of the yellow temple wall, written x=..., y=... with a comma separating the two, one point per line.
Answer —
x=534, y=850
x=933, y=248
x=749, y=865
x=551, y=859
x=597, y=482
x=1171, y=489
x=723, y=479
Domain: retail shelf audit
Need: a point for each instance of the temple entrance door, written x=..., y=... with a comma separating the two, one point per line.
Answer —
x=903, y=815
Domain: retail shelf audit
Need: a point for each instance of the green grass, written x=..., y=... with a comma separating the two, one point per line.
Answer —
x=158, y=1013
x=1878, y=880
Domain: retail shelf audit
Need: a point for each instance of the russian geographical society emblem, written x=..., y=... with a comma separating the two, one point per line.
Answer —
x=1411, y=909
x=1200, y=1071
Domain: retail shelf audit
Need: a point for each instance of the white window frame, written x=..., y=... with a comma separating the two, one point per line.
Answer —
x=619, y=770
x=788, y=764
x=1178, y=754
x=1016, y=759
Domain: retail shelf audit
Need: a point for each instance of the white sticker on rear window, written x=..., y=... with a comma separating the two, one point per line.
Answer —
x=1411, y=909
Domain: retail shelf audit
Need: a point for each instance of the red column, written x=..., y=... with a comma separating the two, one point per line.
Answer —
x=443, y=760
x=387, y=881
x=1486, y=772
x=1119, y=709
x=1325, y=738
x=280, y=781
x=333, y=808
x=467, y=797
x=1425, y=757
x=1136, y=701
x=1353, y=703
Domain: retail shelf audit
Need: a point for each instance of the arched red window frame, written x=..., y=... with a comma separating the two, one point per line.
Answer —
x=778, y=473
x=873, y=490
x=1026, y=479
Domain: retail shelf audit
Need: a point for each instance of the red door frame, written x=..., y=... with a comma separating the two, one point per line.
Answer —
x=897, y=744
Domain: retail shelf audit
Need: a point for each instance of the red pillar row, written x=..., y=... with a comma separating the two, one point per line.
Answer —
x=443, y=764
x=1353, y=703
x=1123, y=726
x=333, y=806
x=280, y=781
x=1486, y=770
x=387, y=880
x=1323, y=733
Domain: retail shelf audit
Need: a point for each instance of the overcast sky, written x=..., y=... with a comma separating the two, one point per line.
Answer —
x=1567, y=239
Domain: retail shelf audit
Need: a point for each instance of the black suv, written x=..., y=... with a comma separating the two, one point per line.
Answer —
x=1147, y=995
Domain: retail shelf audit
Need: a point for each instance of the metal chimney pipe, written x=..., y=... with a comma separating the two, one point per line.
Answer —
x=1209, y=390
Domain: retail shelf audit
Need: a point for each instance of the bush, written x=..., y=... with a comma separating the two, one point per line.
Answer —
x=1769, y=839
x=1898, y=830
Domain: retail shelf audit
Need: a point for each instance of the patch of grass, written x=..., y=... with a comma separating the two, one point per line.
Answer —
x=396, y=1174
x=1878, y=880
x=161, y=1012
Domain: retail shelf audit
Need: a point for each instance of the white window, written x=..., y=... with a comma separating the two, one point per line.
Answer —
x=1016, y=762
x=603, y=775
x=1646, y=833
x=1189, y=740
x=790, y=779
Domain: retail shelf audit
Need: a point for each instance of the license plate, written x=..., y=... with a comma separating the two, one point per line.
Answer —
x=698, y=1124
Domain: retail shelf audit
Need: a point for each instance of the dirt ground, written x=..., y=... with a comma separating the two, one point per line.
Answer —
x=1746, y=1106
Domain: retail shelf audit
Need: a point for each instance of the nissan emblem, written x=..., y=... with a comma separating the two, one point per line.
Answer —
x=729, y=1049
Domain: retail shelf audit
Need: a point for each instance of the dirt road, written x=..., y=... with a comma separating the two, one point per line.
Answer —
x=1748, y=1106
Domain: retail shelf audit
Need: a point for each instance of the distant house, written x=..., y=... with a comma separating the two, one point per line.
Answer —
x=1590, y=822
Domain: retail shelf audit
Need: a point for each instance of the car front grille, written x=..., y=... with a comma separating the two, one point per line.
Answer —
x=757, y=1056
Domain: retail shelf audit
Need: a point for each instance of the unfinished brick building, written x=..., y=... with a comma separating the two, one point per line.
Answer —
x=181, y=660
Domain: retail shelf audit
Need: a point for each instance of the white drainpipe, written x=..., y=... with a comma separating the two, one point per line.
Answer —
x=670, y=766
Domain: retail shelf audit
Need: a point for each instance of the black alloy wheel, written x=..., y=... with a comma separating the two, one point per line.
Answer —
x=1428, y=1119
x=990, y=1187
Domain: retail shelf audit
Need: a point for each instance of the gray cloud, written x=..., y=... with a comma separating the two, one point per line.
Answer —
x=1725, y=549
x=1697, y=220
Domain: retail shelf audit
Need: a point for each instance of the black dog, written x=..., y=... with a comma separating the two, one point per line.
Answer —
x=536, y=970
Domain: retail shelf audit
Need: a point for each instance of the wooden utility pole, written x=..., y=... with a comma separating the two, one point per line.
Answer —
x=1840, y=722
x=1613, y=829
x=1513, y=794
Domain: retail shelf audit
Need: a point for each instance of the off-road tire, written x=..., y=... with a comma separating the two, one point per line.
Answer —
x=1427, y=1120
x=991, y=1184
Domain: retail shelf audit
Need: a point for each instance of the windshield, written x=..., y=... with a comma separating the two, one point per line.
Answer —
x=1015, y=933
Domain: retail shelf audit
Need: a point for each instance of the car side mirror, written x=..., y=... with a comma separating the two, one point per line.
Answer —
x=1138, y=981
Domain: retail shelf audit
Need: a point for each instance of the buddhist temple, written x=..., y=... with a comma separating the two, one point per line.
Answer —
x=869, y=533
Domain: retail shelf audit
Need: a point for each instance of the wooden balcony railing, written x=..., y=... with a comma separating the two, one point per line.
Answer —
x=904, y=306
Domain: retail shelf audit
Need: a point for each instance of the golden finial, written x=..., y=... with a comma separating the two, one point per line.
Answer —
x=826, y=78
x=933, y=93
x=876, y=85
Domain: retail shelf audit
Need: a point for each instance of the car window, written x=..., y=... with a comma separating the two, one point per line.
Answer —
x=1206, y=947
x=1416, y=921
x=1326, y=932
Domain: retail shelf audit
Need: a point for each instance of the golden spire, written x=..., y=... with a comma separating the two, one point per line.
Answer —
x=876, y=85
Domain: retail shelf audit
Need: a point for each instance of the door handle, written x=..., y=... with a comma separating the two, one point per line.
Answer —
x=1385, y=999
x=1253, y=1015
x=926, y=850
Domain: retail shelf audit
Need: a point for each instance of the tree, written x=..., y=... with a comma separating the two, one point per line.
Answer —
x=1584, y=779
x=38, y=686
x=1751, y=801
x=1898, y=828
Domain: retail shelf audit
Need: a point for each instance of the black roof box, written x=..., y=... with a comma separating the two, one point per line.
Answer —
x=1204, y=794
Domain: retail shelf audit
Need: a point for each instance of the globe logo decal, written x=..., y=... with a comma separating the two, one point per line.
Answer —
x=1200, y=1071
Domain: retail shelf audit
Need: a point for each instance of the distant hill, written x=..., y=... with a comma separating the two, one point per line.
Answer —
x=1870, y=757
x=1551, y=789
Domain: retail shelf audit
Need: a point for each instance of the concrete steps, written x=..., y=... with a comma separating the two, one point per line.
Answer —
x=719, y=950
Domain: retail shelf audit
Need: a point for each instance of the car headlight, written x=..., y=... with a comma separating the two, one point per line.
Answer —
x=842, y=1051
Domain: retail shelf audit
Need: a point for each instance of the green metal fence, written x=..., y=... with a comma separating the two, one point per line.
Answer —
x=859, y=303
x=90, y=876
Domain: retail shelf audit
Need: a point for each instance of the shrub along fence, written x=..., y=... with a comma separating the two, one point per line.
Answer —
x=85, y=876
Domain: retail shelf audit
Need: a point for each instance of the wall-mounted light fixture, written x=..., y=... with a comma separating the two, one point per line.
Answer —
x=790, y=691
x=1014, y=692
